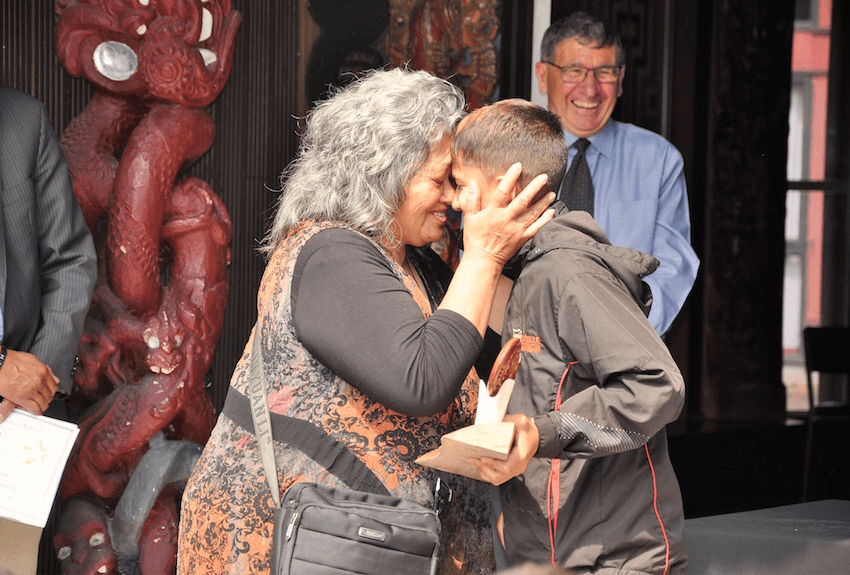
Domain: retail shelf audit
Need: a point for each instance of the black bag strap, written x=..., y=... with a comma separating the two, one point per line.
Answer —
x=308, y=438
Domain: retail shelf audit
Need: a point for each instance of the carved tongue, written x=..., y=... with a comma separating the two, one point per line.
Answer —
x=504, y=367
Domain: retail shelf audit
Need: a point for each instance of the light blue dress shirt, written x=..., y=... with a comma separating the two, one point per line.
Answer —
x=641, y=201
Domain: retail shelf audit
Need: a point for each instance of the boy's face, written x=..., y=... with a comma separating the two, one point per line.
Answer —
x=466, y=177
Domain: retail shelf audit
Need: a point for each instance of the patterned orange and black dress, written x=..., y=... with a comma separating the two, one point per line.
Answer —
x=227, y=510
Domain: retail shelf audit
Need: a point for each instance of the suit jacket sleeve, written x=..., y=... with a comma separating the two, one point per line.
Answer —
x=65, y=263
x=67, y=260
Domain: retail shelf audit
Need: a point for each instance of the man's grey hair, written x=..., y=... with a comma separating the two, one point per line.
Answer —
x=360, y=149
x=586, y=29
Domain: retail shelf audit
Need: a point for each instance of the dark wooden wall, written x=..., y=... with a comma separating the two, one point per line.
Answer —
x=747, y=151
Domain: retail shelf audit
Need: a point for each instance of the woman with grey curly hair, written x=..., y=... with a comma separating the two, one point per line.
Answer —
x=368, y=339
x=356, y=159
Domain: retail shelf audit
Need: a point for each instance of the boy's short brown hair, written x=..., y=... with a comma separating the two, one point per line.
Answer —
x=494, y=137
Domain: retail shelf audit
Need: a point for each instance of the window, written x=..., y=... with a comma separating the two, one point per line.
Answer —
x=805, y=13
x=804, y=224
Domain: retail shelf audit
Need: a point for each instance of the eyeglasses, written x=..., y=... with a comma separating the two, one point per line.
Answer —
x=577, y=74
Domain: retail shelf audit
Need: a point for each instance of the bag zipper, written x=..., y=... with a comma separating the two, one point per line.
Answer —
x=291, y=527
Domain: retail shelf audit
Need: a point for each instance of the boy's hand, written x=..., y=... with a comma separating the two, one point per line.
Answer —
x=526, y=442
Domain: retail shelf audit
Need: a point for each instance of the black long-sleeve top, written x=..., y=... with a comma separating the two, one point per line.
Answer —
x=355, y=315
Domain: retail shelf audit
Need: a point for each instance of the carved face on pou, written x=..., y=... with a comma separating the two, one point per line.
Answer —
x=178, y=51
x=82, y=542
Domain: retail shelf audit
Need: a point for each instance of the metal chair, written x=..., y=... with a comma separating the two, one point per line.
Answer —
x=827, y=350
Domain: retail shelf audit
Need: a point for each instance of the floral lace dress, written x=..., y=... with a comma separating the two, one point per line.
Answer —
x=226, y=518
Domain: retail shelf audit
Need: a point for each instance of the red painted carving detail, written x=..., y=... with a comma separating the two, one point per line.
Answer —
x=449, y=38
x=163, y=242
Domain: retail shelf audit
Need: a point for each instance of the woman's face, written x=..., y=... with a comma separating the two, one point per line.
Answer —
x=422, y=214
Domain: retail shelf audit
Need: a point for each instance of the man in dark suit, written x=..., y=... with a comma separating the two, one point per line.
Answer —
x=47, y=261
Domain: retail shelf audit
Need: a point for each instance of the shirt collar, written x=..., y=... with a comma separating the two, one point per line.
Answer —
x=603, y=140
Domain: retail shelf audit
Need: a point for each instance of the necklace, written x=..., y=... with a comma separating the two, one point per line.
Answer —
x=411, y=268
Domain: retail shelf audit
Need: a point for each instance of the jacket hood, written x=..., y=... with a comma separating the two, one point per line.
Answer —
x=579, y=231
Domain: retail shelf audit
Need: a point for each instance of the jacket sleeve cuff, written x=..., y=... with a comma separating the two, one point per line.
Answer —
x=550, y=446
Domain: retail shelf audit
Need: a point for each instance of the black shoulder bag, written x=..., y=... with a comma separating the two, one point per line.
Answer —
x=322, y=530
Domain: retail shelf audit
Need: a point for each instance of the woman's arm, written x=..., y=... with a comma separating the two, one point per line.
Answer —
x=354, y=314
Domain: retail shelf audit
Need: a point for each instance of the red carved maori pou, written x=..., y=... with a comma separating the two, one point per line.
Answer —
x=163, y=249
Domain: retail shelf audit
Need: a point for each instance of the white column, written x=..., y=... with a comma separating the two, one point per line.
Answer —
x=541, y=21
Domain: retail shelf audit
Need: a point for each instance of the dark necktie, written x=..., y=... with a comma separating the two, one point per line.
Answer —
x=577, y=191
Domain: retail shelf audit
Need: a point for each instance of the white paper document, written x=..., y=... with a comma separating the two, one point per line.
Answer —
x=33, y=452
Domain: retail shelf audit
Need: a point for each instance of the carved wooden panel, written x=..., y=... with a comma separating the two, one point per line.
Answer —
x=453, y=39
x=256, y=136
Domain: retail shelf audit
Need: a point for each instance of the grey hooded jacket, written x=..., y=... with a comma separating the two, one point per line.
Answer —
x=580, y=299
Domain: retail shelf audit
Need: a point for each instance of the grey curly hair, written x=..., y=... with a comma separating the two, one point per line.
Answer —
x=360, y=149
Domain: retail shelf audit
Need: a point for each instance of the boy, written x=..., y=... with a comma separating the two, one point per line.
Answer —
x=588, y=484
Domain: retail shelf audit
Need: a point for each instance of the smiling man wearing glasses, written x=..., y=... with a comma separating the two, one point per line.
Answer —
x=638, y=194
